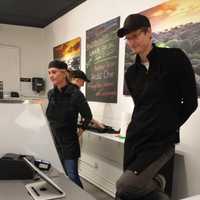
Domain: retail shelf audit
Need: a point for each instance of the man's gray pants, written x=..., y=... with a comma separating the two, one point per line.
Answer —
x=142, y=186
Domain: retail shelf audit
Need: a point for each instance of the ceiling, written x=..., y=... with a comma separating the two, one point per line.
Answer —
x=35, y=13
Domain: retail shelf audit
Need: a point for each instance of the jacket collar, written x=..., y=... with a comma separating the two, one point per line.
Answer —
x=67, y=89
x=150, y=56
x=62, y=90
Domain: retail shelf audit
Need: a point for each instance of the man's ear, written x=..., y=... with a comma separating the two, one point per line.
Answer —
x=149, y=32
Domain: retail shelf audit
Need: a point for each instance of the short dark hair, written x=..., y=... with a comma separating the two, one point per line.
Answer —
x=58, y=64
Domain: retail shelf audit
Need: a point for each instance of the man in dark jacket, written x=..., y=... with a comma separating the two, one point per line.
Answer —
x=162, y=85
x=79, y=78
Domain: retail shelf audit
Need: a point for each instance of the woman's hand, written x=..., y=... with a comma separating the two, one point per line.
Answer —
x=97, y=124
x=80, y=132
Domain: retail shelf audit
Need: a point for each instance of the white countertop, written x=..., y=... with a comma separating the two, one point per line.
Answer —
x=114, y=137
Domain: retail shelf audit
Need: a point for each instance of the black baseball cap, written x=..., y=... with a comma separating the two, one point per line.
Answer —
x=132, y=23
x=80, y=74
x=58, y=64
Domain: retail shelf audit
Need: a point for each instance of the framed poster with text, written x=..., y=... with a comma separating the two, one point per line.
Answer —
x=102, y=50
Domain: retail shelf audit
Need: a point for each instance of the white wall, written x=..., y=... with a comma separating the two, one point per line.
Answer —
x=10, y=60
x=31, y=44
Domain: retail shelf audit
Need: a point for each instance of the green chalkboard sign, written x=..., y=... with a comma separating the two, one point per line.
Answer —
x=102, y=50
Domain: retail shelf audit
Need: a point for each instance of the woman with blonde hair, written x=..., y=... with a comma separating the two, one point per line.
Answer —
x=66, y=101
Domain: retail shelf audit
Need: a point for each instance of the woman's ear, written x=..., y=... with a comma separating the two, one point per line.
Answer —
x=65, y=73
x=68, y=76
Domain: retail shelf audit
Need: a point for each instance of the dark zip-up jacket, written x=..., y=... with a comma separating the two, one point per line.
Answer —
x=62, y=114
x=164, y=98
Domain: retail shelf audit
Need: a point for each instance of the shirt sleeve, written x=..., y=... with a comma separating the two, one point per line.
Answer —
x=187, y=85
x=83, y=109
